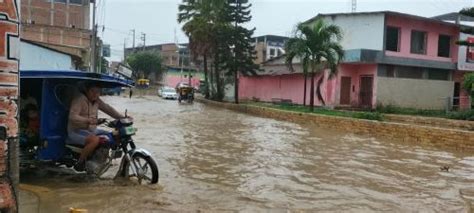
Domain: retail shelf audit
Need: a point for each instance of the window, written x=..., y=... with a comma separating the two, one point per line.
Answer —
x=444, y=46
x=390, y=71
x=409, y=72
x=438, y=74
x=272, y=53
x=386, y=71
x=393, y=39
x=418, y=42
x=79, y=2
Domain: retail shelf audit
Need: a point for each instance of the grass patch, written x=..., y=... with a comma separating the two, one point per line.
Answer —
x=457, y=115
x=322, y=111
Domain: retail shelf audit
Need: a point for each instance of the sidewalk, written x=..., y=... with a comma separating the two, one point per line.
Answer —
x=37, y=199
x=29, y=202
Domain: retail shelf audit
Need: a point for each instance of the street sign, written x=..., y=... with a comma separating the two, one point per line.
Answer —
x=125, y=71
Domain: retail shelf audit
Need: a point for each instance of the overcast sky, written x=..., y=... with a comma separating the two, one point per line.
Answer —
x=157, y=18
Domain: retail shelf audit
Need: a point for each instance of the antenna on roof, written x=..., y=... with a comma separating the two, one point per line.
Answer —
x=354, y=6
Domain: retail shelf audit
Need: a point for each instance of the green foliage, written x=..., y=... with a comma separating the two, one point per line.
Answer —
x=468, y=82
x=215, y=31
x=317, y=46
x=322, y=111
x=469, y=11
x=468, y=30
x=145, y=63
x=392, y=109
x=462, y=115
x=368, y=116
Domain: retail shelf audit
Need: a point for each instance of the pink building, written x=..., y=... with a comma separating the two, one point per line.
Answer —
x=390, y=59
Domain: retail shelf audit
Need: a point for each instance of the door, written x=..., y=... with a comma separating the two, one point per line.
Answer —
x=366, y=90
x=457, y=91
x=345, y=96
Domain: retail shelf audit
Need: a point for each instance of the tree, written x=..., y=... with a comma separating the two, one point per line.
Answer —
x=145, y=63
x=468, y=77
x=240, y=41
x=317, y=46
x=201, y=19
x=215, y=32
x=468, y=84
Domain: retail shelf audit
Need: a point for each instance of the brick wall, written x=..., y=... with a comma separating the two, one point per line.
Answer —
x=74, y=41
x=8, y=106
x=433, y=136
x=59, y=14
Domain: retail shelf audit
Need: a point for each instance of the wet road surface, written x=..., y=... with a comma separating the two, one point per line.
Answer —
x=212, y=159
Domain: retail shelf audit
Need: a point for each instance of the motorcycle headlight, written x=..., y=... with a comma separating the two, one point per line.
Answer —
x=128, y=131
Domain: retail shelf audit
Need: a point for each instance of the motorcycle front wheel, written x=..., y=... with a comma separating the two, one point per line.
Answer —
x=145, y=169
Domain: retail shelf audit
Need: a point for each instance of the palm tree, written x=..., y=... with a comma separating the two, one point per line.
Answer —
x=200, y=18
x=317, y=47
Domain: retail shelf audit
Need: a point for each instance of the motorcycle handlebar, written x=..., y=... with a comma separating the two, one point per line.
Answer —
x=101, y=121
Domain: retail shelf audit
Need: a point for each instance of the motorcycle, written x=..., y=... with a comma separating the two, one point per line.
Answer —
x=185, y=93
x=45, y=145
x=117, y=144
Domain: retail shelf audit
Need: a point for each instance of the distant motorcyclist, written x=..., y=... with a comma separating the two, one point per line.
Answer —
x=82, y=124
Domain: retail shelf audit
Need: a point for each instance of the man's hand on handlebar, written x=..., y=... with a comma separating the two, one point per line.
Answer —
x=92, y=121
x=101, y=121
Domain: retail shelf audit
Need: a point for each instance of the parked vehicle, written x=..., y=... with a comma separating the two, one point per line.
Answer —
x=169, y=93
x=54, y=90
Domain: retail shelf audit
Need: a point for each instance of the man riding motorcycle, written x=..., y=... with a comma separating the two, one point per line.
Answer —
x=82, y=123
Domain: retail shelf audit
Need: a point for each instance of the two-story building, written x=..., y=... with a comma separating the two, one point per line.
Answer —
x=390, y=59
x=268, y=47
x=63, y=25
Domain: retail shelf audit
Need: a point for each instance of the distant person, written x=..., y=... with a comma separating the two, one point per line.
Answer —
x=131, y=93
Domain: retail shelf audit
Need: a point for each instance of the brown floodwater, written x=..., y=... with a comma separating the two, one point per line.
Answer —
x=212, y=159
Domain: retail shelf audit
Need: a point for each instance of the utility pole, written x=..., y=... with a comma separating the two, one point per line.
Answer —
x=124, y=48
x=354, y=6
x=144, y=40
x=93, y=40
x=133, y=31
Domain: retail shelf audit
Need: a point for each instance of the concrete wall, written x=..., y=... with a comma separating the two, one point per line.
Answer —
x=58, y=14
x=33, y=57
x=433, y=31
x=171, y=79
x=415, y=93
x=355, y=71
x=291, y=86
x=360, y=31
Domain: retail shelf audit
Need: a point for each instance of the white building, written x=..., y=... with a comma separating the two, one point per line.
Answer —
x=34, y=56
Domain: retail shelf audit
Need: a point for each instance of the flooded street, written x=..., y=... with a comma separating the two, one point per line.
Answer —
x=212, y=159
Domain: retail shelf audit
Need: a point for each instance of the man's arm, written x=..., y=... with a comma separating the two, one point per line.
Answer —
x=109, y=110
